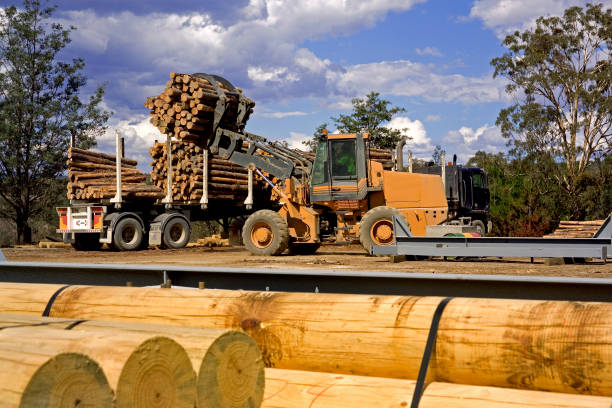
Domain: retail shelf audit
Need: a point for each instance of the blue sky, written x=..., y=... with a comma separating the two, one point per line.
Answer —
x=303, y=60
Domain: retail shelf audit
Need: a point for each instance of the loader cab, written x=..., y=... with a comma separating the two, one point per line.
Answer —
x=339, y=169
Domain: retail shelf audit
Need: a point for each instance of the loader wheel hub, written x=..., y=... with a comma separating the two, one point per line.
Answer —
x=382, y=232
x=262, y=235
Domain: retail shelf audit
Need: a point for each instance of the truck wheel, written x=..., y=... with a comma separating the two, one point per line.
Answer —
x=376, y=226
x=480, y=227
x=176, y=233
x=127, y=234
x=87, y=242
x=265, y=232
x=308, y=248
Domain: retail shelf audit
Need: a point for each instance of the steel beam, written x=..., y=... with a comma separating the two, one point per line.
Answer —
x=407, y=244
x=329, y=281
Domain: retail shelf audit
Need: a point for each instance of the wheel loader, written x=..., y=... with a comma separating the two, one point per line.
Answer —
x=341, y=197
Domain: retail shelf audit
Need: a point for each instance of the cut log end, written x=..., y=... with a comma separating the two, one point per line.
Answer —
x=68, y=380
x=232, y=373
x=157, y=374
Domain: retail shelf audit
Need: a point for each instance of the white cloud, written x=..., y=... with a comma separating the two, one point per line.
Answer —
x=466, y=141
x=420, y=144
x=280, y=115
x=278, y=74
x=432, y=118
x=138, y=133
x=506, y=16
x=295, y=140
x=406, y=78
x=433, y=51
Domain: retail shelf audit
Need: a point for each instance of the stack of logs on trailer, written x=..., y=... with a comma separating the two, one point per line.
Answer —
x=92, y=175
x=226, y=181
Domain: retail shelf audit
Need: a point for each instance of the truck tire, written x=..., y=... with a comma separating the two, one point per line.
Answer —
x=266, y=233
x=127, y=234
x=480, y=227
x=176, y=233
x=307, y=248
x=376, y=226
x=87, y=242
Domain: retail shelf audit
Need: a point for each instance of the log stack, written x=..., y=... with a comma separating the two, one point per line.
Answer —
x=226, y=181
x=92, y=176
x=576, y=229
x=143, y=370
x=552, y=346
x=185, y=109
x=230, y=371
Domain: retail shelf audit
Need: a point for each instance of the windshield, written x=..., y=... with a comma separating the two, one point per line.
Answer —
x=343, y=158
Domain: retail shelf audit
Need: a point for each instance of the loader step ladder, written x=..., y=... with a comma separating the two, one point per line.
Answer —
x=407, y=244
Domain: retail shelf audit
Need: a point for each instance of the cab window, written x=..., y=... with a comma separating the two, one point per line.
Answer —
x=343, y=159
x=320, y=166
x=478, y=180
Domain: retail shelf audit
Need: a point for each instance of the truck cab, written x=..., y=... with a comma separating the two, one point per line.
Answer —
x=467, y=193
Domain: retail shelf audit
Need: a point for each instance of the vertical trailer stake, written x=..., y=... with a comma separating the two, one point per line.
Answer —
x=168, y=199
x=204, y=199
x=249, y=200
x=117, y=200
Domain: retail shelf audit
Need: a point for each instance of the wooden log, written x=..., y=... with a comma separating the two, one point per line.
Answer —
x=100, y=160
x=143, y=370
x=31, y=377
x=540, y=345
x=288, y=388
x=88, y=165
x=228, y=362
x=82, y=175
x=111, y=157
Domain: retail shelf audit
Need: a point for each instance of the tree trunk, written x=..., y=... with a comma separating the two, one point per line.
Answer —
x=24, y=231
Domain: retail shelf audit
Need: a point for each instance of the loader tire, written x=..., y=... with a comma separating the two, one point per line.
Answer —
x=376, y=226
x=265, y=233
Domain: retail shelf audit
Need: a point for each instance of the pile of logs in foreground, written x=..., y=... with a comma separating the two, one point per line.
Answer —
x=320, y=350
x=47, y=362
x=226, y=181
x=186, y=108
x=576, y=229
x=92, y=175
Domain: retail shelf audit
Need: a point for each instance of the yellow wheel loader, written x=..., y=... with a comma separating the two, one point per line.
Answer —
x=341, y=197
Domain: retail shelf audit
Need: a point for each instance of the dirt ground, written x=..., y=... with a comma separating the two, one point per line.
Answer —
x=328, y=257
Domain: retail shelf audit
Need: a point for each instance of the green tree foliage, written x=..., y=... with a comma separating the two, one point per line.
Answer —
x=525, y=203
x=40, y=110
x=371, y=115
x=561, y=73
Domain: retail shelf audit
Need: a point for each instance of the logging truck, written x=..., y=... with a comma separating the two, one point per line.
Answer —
x=342, y=195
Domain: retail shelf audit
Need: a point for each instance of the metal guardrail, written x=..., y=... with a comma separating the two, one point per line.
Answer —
x=329, y=281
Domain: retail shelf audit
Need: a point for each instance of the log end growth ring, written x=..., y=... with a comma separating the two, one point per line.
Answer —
x=232, y=373
x=158, y=374
x=68, y=380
